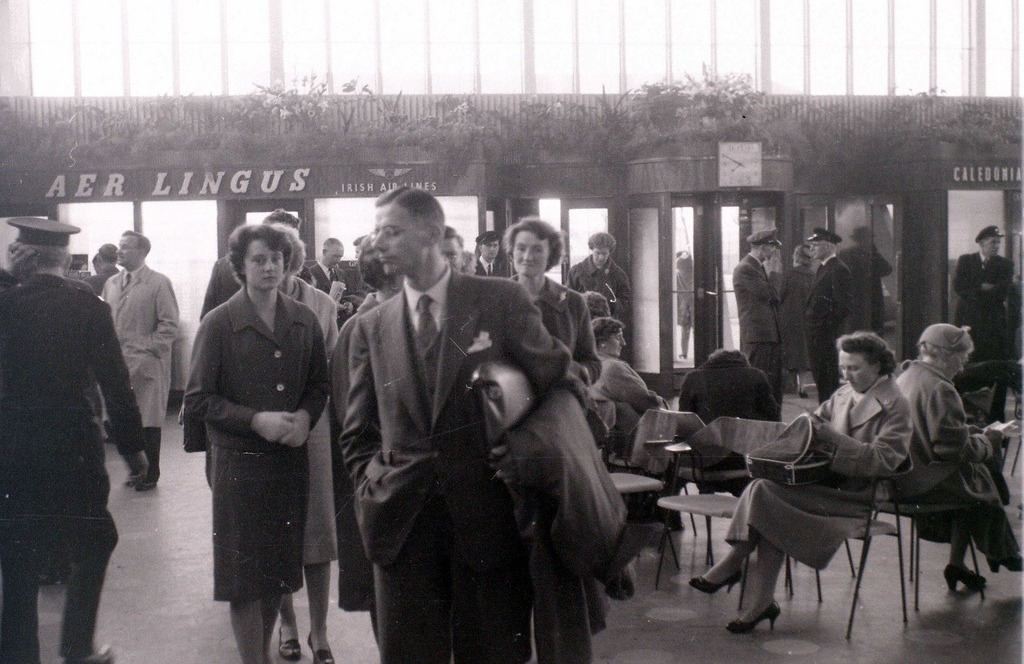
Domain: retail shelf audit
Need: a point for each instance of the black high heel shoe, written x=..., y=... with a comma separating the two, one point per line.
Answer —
x=970, y=580
x=322, y=656
x=770, y=613
x=705, y=586
x=290, y=649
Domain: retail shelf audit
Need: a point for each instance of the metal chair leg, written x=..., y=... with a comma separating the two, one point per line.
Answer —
x=856, y=587
x=789, y=577
x=817, y=582
x=709, y=558
x=849, y=557
x=743, y=582
x=666, y=536
x=974, y=559
x=899, y=554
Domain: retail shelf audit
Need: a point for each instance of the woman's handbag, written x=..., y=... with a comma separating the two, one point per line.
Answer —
x=791, y=458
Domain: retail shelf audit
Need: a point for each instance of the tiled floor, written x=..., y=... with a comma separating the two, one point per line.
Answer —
x=157, y=605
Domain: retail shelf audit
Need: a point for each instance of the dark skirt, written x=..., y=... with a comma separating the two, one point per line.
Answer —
x=259, y=514
x=987, y=524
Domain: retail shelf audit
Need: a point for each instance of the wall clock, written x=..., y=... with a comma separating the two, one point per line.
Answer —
x=739, y=164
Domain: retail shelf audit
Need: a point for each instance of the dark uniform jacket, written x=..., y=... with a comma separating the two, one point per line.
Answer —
x=984, y=311
x=57, y=340
x=757, y=302
x=828, y=304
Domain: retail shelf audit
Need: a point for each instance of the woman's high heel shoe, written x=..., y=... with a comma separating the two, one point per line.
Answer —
x=770, y=613
x=290, y=649
x=705, y=586
x=322, y=656
x=970, y=580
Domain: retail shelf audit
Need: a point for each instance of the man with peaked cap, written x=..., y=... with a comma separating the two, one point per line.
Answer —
x=757, y=302
x=55, y=340
x=983, y=281
x=491, y=261
x=828, y=305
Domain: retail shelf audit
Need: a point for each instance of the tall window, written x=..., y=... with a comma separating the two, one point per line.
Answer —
x=99, y=28
x=786, y=21
x=403, y=46
x=911, y=46
x=949, y=48
x=248, y=46
x=553, y=49
x=999, y=48
x=645, y=42
x=828, y=47
x=871, y=47
x=199, y=50
x=304, y=36
x=353, y=43
x=599, y=46
x=736, y=25
x=452, y=52
x=52, y=48
x=691, y=37
x=149, y=47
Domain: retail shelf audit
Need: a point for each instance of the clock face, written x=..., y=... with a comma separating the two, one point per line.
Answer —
x=739, y=165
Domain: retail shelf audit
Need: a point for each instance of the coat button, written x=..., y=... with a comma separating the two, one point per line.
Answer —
x=277, y=353
x=280, y=387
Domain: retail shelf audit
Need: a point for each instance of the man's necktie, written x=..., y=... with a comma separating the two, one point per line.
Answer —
x=127, y=282
x=489, y=269
x=426, y=340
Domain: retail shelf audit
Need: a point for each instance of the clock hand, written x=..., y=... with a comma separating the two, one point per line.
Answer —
x=735, y=161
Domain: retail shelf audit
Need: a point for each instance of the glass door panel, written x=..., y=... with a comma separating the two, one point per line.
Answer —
x=644, y=248
x=729, y=257
x=684, y=311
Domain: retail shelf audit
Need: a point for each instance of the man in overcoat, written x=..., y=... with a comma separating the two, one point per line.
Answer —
x=758, y=304
x=598, y=272
x=56, y=339
x=491, y=261
x=146, y=320
x=828, y=305
x=450, y=568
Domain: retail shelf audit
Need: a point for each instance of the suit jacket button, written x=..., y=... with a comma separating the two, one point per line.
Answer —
x=277, y=353
x=280, y=387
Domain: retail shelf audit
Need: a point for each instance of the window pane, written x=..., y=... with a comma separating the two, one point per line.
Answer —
x=100, y=223
x=353, y=45
x=184, y=237
x=341, y=218
x=584, y=222
x=452, y=52
x=199, y=55
x=501, y=47
x=645, y=42
x=787, y=46
x=949, y=47
x=403, y=47
x=248, y=35
x=149, y=47
x=646, y=305
x=911, y=46
x=552, y=26
x=828, y=47
x=999, y=48
x=691, y=38
x=983, y=208
x=51, y=48
x=550, y=210
x=100, y=35
x=304, y=34
x=683, y=219
x=599, y=46
x=730, y=258
x=870, y=47
x=737, y=36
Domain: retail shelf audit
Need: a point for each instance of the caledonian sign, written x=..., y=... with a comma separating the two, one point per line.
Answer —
x=984, y=174
x=236, y=182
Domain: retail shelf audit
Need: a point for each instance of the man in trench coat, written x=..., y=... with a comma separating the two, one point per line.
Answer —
x=146, y=320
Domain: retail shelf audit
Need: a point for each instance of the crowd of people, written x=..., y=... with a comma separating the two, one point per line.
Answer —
x=331, y=405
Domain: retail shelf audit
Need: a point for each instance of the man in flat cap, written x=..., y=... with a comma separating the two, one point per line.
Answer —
x=828, y=305
x=983, y=281
x=491, y=262
x=56, y=339
x=105, y=264
x=146, y=319
x=758, y=305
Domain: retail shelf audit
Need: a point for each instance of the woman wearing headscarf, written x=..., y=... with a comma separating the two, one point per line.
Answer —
x=954, y=463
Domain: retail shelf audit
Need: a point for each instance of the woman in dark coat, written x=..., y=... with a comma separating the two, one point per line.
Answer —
x=259, y=381
x=796, y=286
x=952, y=464
x=866, y=426
x=727, y=386
x=563, y=311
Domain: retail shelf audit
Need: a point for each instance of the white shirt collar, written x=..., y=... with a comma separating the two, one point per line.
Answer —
x=438, y=293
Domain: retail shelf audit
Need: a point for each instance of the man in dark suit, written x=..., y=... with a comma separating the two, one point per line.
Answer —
x=828, y=305
x=105, y=264
x=326, y=270
x=491, y=260
x=449, y=565
x=758, y=305
x=52, y=472
x=983, y=282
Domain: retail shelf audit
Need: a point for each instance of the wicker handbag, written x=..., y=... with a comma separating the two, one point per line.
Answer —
x=791, y=458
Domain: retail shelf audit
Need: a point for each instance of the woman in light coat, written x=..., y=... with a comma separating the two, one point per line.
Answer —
x=866, y=426
x=319, y=546
x=952, y=463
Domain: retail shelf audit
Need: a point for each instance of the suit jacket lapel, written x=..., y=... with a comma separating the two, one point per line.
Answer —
x=456, y=336
x=399, y=352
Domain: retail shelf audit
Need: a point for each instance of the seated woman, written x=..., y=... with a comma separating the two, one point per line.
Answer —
x=620, y=394
x=953, y=464
x=727, y=386
x=865, y=425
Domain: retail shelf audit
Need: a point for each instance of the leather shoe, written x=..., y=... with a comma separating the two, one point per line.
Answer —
x=102, y=656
